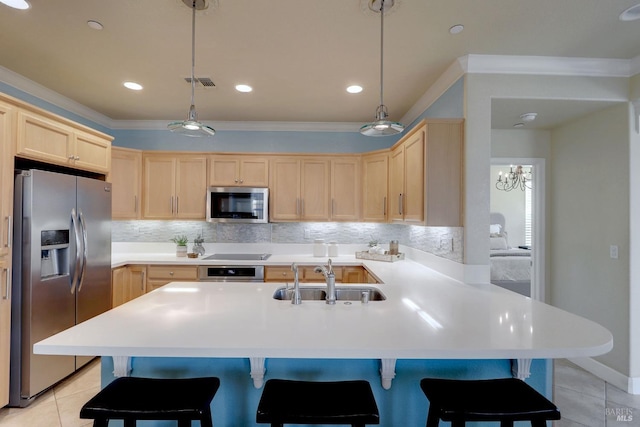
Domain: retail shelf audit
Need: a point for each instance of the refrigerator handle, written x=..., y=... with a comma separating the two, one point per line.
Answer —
x=76, y=232
x=83, y=269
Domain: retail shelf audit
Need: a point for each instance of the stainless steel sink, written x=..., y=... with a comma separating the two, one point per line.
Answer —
x=318, y=293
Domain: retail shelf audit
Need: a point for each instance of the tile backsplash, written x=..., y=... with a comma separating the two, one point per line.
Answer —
x=445, y=242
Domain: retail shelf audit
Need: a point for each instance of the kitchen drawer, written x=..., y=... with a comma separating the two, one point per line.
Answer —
x=172, y=272
x=278, y=274
x=310, y=275
x=305, y=274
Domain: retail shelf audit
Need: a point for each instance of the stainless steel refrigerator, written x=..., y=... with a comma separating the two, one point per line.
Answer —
x=61, y=271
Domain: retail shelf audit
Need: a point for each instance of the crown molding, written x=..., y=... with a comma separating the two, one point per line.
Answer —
x=32, y=88
x=548, y=65
x=245, y=126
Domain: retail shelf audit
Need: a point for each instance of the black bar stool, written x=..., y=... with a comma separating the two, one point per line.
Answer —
x=131, y=399
x=505, y=400
x=310, y=402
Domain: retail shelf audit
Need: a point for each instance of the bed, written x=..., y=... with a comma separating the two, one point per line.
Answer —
x=510, y=267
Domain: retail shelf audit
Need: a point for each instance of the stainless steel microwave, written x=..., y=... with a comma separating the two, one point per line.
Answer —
x=238, y=204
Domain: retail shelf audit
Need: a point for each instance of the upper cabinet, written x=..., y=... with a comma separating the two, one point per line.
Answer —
x=345, y=189
x=406, y=177
x=238, y=170
x=7, y=115
x=174, y=186
x=375, y=180
x=51, y=139
x=126, y=180
x=444, y=148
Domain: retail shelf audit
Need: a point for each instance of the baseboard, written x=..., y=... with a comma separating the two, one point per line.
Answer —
x=629, y=384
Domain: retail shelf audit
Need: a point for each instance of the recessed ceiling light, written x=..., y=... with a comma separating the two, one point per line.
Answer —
x=631, y=14
x=528, y=117
x=354, y=89
x=16, y=4
x=244, y=88
x=518, y=125
x=456, y=29
x=95, y=25
x=133, y=85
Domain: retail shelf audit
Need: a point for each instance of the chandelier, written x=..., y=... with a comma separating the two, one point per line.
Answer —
x=518, y=178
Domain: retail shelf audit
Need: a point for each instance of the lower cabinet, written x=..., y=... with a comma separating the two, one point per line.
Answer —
x=306, y=274
x=5, y=328
x=127, y=283
x=160, y=275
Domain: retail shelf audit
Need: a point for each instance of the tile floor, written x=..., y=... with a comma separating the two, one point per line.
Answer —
x=59, y=407
x=583, y=399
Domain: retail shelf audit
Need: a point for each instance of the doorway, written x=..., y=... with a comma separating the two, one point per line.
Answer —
x=524, y=211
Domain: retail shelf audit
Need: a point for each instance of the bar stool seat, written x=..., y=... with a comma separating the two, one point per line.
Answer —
x=505, y=400
x=311, y=402
x=132, y=398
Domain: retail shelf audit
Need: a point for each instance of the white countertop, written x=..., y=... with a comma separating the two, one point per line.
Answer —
x=426, y=316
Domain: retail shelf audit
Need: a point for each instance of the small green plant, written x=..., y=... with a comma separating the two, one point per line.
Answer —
x=180, y=240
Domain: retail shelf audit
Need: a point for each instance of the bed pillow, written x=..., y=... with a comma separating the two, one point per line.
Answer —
x=498, y=243
x=495, y=229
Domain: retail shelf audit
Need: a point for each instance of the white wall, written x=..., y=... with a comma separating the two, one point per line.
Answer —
x=590, y=212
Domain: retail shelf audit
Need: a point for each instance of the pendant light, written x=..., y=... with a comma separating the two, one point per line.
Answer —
x=381, y=126
x=191, y=126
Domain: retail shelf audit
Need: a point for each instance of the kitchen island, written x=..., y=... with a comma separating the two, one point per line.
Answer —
x=429, y=325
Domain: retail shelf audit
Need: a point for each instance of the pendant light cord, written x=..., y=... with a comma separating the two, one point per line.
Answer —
x=193, y=50
x=381, y=51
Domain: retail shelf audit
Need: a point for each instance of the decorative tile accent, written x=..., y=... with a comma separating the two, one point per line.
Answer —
x=445, y=242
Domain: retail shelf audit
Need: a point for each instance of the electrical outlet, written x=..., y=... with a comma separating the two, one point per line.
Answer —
x=307, y=233
x=613, y=251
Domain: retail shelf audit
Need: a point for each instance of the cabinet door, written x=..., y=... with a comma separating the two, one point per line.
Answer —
x=353, y=274
x=396, y=184
x=444, y=174
x=119, y=285
x=224, y=171
x=125, y=173
x=7, y=115
x=137, y=280
x=314, y=190
x=159, y=187
x=254, y=172
x=374, y=187
x=5, y=328
x=414, y=177
x=191, y=188
x=285, y=189
x=345, y=189
x=41, y=138
x=91, y=152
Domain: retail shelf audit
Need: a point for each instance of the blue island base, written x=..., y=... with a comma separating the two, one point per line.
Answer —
x=403, y=405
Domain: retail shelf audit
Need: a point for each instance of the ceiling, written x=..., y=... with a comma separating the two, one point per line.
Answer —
x=299, y=55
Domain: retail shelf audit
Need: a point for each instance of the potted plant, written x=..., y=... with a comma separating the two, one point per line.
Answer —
x=181, y=245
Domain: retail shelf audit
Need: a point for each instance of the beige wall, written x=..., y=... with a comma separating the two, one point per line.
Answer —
x=590, y=212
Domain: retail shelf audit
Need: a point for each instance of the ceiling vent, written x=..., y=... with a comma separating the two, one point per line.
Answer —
x=204, y=81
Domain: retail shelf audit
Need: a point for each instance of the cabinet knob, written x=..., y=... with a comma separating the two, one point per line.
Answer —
x=76, y=158
x=171, y=273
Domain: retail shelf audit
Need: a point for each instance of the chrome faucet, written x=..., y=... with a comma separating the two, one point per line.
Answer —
x=330, y=277
x=296, y=298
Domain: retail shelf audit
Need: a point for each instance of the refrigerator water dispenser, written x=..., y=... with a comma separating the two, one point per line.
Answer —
x=54, y=250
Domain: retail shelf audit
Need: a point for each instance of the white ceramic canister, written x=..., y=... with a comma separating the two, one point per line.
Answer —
x=319, y=248
x=333, y=248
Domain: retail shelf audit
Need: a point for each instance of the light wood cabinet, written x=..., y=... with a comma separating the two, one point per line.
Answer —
x=7, y=116
x=174, y=187
x=353, y=274
x=444, y=148
x=375, y=179
x=345, y=189
x=300, y=189
x=407, y=179
x=160, y=275
x=127, y=283
x=54, y=140
x=306, y=274
x=245, y=171
x=5, y=327
x=125, y=177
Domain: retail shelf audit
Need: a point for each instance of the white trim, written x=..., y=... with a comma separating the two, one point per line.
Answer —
x=549, y=65
x=539, y=220
x=629, y=384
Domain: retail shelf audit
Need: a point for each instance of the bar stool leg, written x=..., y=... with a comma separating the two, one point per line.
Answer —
x=433, y=419
x=129, y=423
x=100, y=423
x=508, y=423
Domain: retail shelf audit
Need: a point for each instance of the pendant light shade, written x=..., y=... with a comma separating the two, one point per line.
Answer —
x=381, y=126
x=191, y=126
